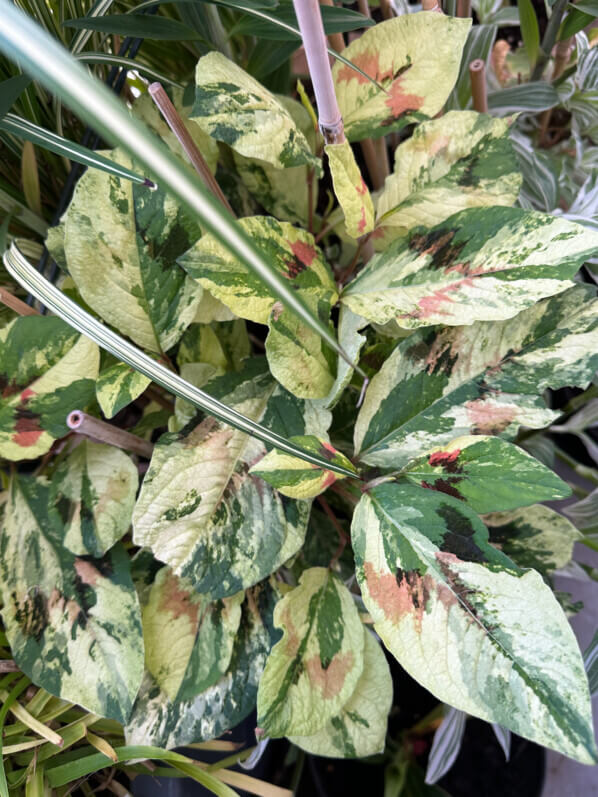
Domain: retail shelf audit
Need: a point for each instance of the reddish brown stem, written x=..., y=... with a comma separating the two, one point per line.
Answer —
x=463, y=8
x=8, y=299
x=335, y=40
x=176, y=124
x=479, y=95
x=343, y=538
x=103, y=432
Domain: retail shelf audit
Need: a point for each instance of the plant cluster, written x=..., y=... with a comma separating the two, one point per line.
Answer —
x=362, y=439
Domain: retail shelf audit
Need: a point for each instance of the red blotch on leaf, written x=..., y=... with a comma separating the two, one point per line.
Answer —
x=362, y=188
x=368, y=62
x=399, y=103
x=303, y=252
x=362, y=221
x=27, y=428
x=444, y=459
x=489, y=418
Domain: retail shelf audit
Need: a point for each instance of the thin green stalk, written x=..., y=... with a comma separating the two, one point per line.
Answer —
x=38, y=54
x=51, y=297
x=550, y=35
x=14, y=693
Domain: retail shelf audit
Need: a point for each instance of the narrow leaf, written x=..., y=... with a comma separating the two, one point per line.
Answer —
x=141, y=25
x=529, y=30
x=446, y=744
x=10, y=91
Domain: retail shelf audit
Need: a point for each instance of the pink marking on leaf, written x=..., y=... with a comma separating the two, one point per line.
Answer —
x=399, y=103
x=303, y=252
x=443, y=459
x=361, y=225
x=27, y=429
x=27, y=394
x=486, y=417
x=362, y=189
x=368, y=62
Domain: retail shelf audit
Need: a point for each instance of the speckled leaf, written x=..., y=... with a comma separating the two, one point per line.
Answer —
x=415, y=57
x=93, y=490
x=482, y=264
x=73, y=624
x=117, y=386
x=487, y=378
x=46, y=370
x=157, y=721
x=297, y=356
x=136, y=234
x=462, y=160
x=350, y=189
x=199, y=509
x=487, y=473
x=494, y=639
x=359, y=730
x=233, y=107
x=295, y=477
x=314, y=669
x=282, y=192
x=145, y=108
x=288, y=249
x=536, y=536
x=188, y=638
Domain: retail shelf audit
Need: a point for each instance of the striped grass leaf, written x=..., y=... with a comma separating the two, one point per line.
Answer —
x=446, y=744
x=503, y=737
x=590, y=660
x=10, y=91
x=526, y=98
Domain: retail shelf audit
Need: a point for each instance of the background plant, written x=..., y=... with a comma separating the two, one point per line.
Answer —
x=464, y=311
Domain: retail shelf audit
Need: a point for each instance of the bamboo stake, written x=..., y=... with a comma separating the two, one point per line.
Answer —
x=463, y=8
x=386, y=9
x=382, y=156
x=10, y=300
x=314, y=42
x=336, y=40
x=479, y=95
x=176, y=124
x=103, y=432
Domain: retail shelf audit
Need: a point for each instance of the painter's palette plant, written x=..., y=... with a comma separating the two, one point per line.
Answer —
x=229, y=561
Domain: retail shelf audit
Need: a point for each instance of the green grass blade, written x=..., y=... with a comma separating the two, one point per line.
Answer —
x=99, y=8
x=22, y=684
x=23, y=128
x=48, y=294
x=22, y=40
x=127, y=63
x=10, y=91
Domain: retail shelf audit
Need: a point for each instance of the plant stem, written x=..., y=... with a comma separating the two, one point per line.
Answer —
x=336, y=40
x=477, y=76
x=104, y=432
x=463, y=8
x=10, y=300
x=386, y=9
x=314, y=41
x=176, y=124
x=550, y=34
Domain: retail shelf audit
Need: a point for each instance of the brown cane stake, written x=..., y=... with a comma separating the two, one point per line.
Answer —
x=463, y=8
x=562, y=54
x=336, y=40
x=176, y=124
x=103, y=432
x=8, y=299
x=432, y=5
x=479, y=95
x=386, y=9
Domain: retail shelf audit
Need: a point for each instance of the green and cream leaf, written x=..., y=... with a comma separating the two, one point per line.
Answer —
x=464, y=159
x=414, y=57
x=232, y=107
x=47, y=370
x=487, y=473
x=93, y=491
x=117, y=386
x=350, y=190
x=482, y=264
x=314, y=669
x=73, y=624
x=359, y=730
x=296, y=478
x=496, y=642
x=487, y=378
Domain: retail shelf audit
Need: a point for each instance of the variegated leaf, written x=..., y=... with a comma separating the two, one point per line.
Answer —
x=296, y=478
x=73, y=624
x=487, y=378
x=536, y=536
x=222, y=344
x=200, y=510
x=482, y=264
x=232, y=107
x=314, y=669
x=297, y=356
x=93, y=491
x=352, y=342
x=145, y=108
x=487, y=473
x=590, y=660
x=414, y=57
x=136, y=234
x=494, y=639
x=46, y=370
x=158, y=721
x=464, y=159
x=188, y=638
x=350, y=189
x=282, y=192
x=117, y=386
x=210, y=309
x=359, y=730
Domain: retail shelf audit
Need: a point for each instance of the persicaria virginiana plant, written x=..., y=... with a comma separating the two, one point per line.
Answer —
x=360, y=359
